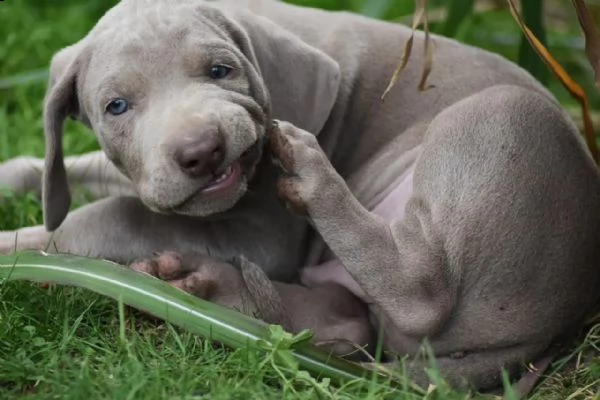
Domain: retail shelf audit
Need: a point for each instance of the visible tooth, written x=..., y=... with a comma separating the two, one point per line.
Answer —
x=223, y=176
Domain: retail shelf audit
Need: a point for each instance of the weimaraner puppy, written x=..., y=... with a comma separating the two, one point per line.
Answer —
x=466, y=216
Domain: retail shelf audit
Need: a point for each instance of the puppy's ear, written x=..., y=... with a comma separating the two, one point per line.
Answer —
x=60, y=103
x=302, y=81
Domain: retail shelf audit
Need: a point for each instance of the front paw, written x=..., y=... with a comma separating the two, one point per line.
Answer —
x=307, y=173
x=202, y=276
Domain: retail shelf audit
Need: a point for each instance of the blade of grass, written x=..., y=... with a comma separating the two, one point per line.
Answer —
x=592, y=36
x=533, y=18
x=572, y=87
x=458, y=11
x=158, y=298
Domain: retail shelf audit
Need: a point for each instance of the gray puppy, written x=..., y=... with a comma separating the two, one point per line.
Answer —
x=467, y=215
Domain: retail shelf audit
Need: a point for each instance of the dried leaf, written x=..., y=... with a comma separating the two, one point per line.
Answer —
x=428, y=57
x=592, y=36
x=574, y=89
x=420, y=17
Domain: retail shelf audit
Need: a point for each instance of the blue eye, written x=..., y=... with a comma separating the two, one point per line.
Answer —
x=117, y=107
x=219, y=71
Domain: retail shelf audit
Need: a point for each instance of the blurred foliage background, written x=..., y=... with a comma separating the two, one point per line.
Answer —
x=489, y=25
x=32, y=30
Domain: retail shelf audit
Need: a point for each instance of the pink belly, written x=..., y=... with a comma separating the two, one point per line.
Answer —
x=391, y=207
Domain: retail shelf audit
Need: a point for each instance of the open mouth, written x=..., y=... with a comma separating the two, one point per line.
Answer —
x=224, y=180
x=231, y=175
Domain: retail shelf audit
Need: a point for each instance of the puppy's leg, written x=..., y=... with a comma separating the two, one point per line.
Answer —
x=30, y=238
x=122, y=229
x=105, y=229
x=338, y=319
x=22, y=175
x=92, y=171
x=498, y=245
x=413, y=292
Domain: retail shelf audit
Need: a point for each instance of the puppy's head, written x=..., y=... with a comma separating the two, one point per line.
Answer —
x=180, y=95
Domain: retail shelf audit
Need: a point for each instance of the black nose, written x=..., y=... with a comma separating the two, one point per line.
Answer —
x=199, y=155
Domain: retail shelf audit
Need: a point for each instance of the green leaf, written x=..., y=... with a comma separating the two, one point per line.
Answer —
x=509, y=390
x=458, y=11
x=160, y=299
x=533, y=16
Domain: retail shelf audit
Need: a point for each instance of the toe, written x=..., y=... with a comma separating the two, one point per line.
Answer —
x=169, y=266
x=145, y=266
x=195, y=285
x=293, y=133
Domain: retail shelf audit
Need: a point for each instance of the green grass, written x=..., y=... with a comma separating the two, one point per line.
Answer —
x=70, y=343
x=76, y=347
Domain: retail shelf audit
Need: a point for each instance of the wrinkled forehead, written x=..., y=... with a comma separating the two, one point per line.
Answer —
x=139, y=33
x=158, y=17
x=148, y=25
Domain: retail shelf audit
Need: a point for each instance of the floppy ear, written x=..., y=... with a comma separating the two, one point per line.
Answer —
x=60, y=103
x=302, y=81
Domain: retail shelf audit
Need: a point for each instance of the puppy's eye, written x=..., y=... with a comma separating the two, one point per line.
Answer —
x=219, y=71
x=117, y=107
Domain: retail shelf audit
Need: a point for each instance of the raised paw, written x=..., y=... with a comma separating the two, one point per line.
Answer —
x=202, y=276
x=306, y=171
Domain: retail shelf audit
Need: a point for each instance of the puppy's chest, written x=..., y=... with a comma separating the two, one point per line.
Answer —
x=389, y=202
x=391, y=206
x=385, y=184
